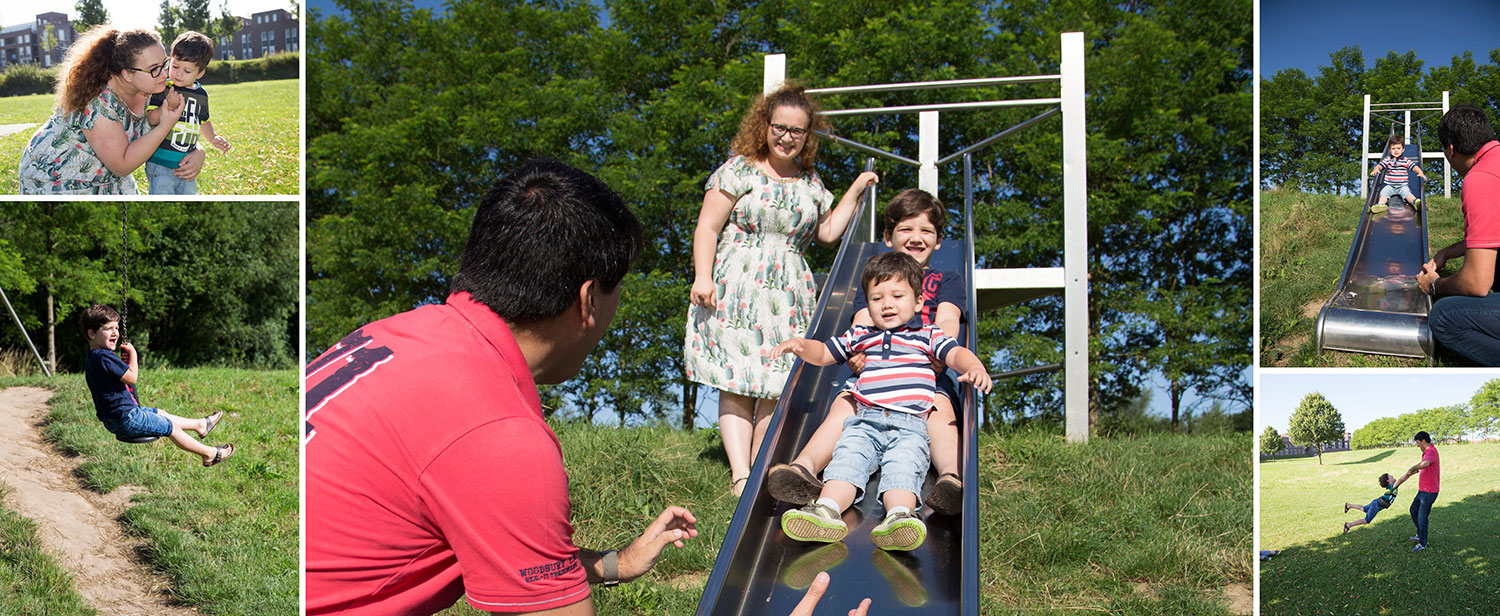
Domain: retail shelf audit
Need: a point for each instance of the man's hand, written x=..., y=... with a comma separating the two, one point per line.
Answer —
x=815, y=594
x=1427, y=279
x=673, y=526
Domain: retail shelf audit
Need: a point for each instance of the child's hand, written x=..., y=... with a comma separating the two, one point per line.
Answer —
x=978, y=377
x=127, y=351
x=793, y=345
x=172, y=106
x=220, y=142
x=856, y=363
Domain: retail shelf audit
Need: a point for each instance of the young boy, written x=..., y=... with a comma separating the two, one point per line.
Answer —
x=110, y=379
x=1381, y=502
x=913, y=223
x=894, y=393
x=1396, y=173
x=191, y=53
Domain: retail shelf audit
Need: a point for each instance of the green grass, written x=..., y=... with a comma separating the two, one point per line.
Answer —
x=1305, y=241
x=1148, y=525
x=260, y=119
x=1371, y=570
x=31, y=581
x=226, y=537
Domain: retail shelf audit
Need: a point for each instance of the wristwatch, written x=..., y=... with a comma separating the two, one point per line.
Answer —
x=611, y=561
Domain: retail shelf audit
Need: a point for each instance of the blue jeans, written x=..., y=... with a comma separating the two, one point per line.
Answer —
x=892, y=442
x=1468, y=326
x=1420, y=507
x=1372, y=509
x=164, y=183
x=138, y=422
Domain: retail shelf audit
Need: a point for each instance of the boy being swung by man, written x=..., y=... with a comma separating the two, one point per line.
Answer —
x=191, y=53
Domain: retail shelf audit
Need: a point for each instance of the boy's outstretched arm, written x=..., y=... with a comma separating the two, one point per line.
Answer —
x=206, y=129
x=970, y=369
x=128, y=353
x=811, y=351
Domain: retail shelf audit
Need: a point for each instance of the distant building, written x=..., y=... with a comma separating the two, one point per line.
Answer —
x=262, y=34
x=1288, y=449
x=22, y=43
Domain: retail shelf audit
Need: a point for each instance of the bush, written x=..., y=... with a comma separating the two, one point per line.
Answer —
x=19, y=79
x=285, y=65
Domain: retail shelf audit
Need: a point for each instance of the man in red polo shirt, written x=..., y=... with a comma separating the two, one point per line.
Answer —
x=431, y=473
x=1465, y=319
x=1427, y=488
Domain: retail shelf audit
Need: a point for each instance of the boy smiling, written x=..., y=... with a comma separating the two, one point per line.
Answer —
x=191, y=53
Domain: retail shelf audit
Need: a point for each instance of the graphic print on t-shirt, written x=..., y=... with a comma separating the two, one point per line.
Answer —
x=184, y=136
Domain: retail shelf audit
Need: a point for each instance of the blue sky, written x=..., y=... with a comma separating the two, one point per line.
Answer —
x=1365, y=395
x=1301, y=34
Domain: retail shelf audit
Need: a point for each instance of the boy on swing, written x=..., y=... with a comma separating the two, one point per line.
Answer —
x=110, y=380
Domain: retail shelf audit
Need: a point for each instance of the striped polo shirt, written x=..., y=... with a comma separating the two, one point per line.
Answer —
x=898, y=363
x=1397, y=170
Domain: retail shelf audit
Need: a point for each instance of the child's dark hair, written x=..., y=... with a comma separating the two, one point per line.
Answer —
x=540, y=233
x=908, y=204
x=1466, y=128
x=1386, y=480
x=97, y=55
x=888, y=265
x=193, y=47
x=1395, y=140
x=95, y=317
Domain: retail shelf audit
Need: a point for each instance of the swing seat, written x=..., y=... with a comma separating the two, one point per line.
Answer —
x=139, y=440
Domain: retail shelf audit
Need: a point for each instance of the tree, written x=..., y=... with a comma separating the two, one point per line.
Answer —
x=194, y=16
x=1484, y=409
x=90, y=13
x=168, y=23
x=226, y=26
x=49, y=38
x=1315, y=422
x=1270, y=442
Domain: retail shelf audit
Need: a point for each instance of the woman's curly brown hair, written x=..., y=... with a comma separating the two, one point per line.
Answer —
x=751, y=140
x=99, y=54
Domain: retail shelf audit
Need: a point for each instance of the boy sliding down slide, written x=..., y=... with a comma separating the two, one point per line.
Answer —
x=894, y=393
x=1381, y=502
x=110, y=379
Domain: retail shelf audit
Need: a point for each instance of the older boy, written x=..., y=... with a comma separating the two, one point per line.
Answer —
x=110, y=379
x=913, y=222
x=895, y=391
x=1397, y=172
x=191, y=53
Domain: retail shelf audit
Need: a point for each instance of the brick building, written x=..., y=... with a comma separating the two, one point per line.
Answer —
x=1288, y=449
x=262, y=34
x=22, y=43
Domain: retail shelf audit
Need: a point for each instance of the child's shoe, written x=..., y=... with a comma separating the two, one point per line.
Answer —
x=901, y=530
x=814, y=522
x=805, y=568
x=905, y=582
x=947, y=495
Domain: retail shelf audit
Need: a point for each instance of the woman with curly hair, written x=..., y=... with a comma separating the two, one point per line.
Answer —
x=98, y=134
x=751, y=286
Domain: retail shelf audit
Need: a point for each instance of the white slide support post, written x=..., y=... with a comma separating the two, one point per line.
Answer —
x=1075, y=242
x=1447, y=166
x=775, y=72
x=1364, y=151
x=927, y=152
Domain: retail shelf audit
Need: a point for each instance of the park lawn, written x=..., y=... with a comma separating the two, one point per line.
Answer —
x=259, y=118
x=1148, y=525
x=226, y=537
x=1371, y=570
x=31, y=581
x=1304, y=242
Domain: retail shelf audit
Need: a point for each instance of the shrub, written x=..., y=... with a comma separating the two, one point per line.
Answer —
x=19, y=79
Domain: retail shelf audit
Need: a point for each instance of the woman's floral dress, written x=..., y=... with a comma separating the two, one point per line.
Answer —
x=59, y=161
x=761, y=282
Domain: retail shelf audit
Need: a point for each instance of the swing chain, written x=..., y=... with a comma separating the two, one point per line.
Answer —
x=124, y=267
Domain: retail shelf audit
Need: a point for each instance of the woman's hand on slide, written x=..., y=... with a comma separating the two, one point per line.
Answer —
x=864, y=181
x=702, y=293
x=190, y=166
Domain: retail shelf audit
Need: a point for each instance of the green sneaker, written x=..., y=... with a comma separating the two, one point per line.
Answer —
x=901, y=531
x=805, y=568
x=814, y=523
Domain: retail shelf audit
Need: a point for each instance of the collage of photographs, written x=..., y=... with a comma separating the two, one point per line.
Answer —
x=749, y=307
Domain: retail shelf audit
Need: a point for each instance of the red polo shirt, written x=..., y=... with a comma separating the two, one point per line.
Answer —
x=431, y=474
x=1481, y=201
x=1427, y=478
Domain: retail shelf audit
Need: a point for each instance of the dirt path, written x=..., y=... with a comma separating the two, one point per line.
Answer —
x=77, y=526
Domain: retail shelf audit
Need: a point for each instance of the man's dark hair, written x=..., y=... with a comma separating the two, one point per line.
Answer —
x=888, y=265
x=95, y=317
x=1466, y=128
x=193, y=47
x=1422, y=436
x=541, y=232
x=908, y=204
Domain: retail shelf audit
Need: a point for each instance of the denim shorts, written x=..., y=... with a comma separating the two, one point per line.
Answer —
x=1372, y=509
x=1397, y=189
x=162, y=182
x=140, y=422
x=891, y=442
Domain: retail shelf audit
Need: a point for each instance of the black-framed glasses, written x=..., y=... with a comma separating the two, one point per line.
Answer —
x=780, y=130
x=154, y=71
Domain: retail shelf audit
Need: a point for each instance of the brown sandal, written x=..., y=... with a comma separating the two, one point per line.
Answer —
x=947, y=494
x=221, y=454
x=734, y=484
x=792, y=483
